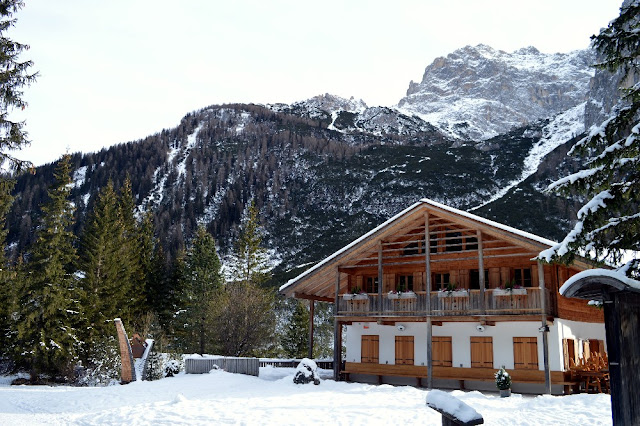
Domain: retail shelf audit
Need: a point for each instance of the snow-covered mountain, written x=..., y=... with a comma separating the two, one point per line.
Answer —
x=478, y=92
x=484, y=130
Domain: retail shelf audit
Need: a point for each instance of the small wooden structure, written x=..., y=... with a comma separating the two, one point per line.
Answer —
x=620, y=297
x=138, y=346
x=239, y=365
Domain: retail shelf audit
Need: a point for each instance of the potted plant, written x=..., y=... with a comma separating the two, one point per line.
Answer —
x=358, y=294
x=503, y=382
x=409, y=294
x=393, y=294
x=352, y=294
x=510, y=289
x=452, y=290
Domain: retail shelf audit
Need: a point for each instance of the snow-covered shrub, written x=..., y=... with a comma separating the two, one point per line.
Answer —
x=172, y=367
x=103, y=363
x=307, y=372
x=503, y=379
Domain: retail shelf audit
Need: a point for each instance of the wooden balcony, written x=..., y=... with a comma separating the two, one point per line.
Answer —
x=472, y=302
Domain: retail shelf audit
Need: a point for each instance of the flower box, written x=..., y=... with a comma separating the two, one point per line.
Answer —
x=408, y=295
x=393, y=295
x=513, y=292
x=361, y=296
x=455, y=293
x=347, y=296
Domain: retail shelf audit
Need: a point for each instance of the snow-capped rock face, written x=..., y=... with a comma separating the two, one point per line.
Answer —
x=479, y=92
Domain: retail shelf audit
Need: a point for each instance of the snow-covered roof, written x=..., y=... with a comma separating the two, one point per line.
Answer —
x=590, y=281
x=422, y=202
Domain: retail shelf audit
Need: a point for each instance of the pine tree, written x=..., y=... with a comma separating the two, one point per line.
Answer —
x=49, y=300
x=295, y=341
x=100, y=265
x=14, y=76
x=250, y=262
x=202, y=278
x=609, y=223
x=7, y=276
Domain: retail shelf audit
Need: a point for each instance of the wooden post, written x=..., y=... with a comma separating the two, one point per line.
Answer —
x=337, y=332
x=481, y=270
x=312, y=304
x=427, y=280
x=380, y=276
x=127, y=366
x=545, y=329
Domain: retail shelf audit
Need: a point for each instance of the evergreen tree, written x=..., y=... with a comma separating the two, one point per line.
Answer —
x=13, y=78
x=250, y=261
x=295, y=341
x=244, y=313
x=49, y=301
x=202, y=277
x=130, y=255
x=609, y=223
x=7, y=278
x=99, y=262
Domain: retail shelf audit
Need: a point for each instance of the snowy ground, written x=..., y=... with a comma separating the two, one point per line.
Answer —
x=273, y=399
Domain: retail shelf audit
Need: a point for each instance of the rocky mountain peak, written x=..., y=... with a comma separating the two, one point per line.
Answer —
x=478, y=92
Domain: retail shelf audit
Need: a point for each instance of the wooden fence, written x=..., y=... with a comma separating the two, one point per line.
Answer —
x=293, y=363
x=249, y=366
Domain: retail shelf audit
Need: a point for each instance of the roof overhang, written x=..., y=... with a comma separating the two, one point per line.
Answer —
x=595, y=283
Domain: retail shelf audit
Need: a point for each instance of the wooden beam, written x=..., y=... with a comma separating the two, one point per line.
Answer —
x=481, y=268
x=427, y=279
x=312, y=304
x=313, y=297
x=545, y=329
x=337, y=333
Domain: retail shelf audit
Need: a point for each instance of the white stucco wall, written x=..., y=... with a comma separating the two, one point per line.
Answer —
x=579, y=331
x=460, y=332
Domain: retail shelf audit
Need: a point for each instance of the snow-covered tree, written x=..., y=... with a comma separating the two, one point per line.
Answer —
x=609, y=222
x=13, y=77
x=295, y=340
x=46, y=337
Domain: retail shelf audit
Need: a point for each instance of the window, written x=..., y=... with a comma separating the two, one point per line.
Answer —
x=412, y=249
x=439, y=281
x=481, y=352
x=474, y=279
x=371, y=284
x=525, y=353
x=405, y=283
x=454, y=241
x=596, y=347
x=441, y=351
x=522, y=277
x=471, y=243
x=404, y=350
x=370, y=345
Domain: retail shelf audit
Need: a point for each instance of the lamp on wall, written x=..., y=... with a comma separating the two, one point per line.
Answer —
x=400, y=327
x=480, y=328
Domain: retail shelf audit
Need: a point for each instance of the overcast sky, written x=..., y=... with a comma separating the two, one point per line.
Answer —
x=119, y=70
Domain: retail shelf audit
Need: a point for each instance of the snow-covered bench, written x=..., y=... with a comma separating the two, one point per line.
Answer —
x=454, y=411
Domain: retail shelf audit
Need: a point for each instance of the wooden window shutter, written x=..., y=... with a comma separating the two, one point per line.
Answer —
x=404, y=350
x=370, y=348
x=569, y=351
x=441, y=352
x=586, y=350
x=596, y=345
x=481, y=352
x=525, y=353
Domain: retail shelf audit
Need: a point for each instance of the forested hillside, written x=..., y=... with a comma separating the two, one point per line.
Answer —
x=320, y=178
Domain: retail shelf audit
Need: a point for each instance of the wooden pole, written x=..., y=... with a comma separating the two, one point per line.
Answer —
x=380, y=276
x=337, y=333
x=312, y=305
x=481, y=270
x=427, y=282
x=545, y=329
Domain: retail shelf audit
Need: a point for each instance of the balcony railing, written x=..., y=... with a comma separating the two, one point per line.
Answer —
x=470, y=302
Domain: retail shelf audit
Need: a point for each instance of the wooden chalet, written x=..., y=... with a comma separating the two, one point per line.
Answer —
x=445, y=296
